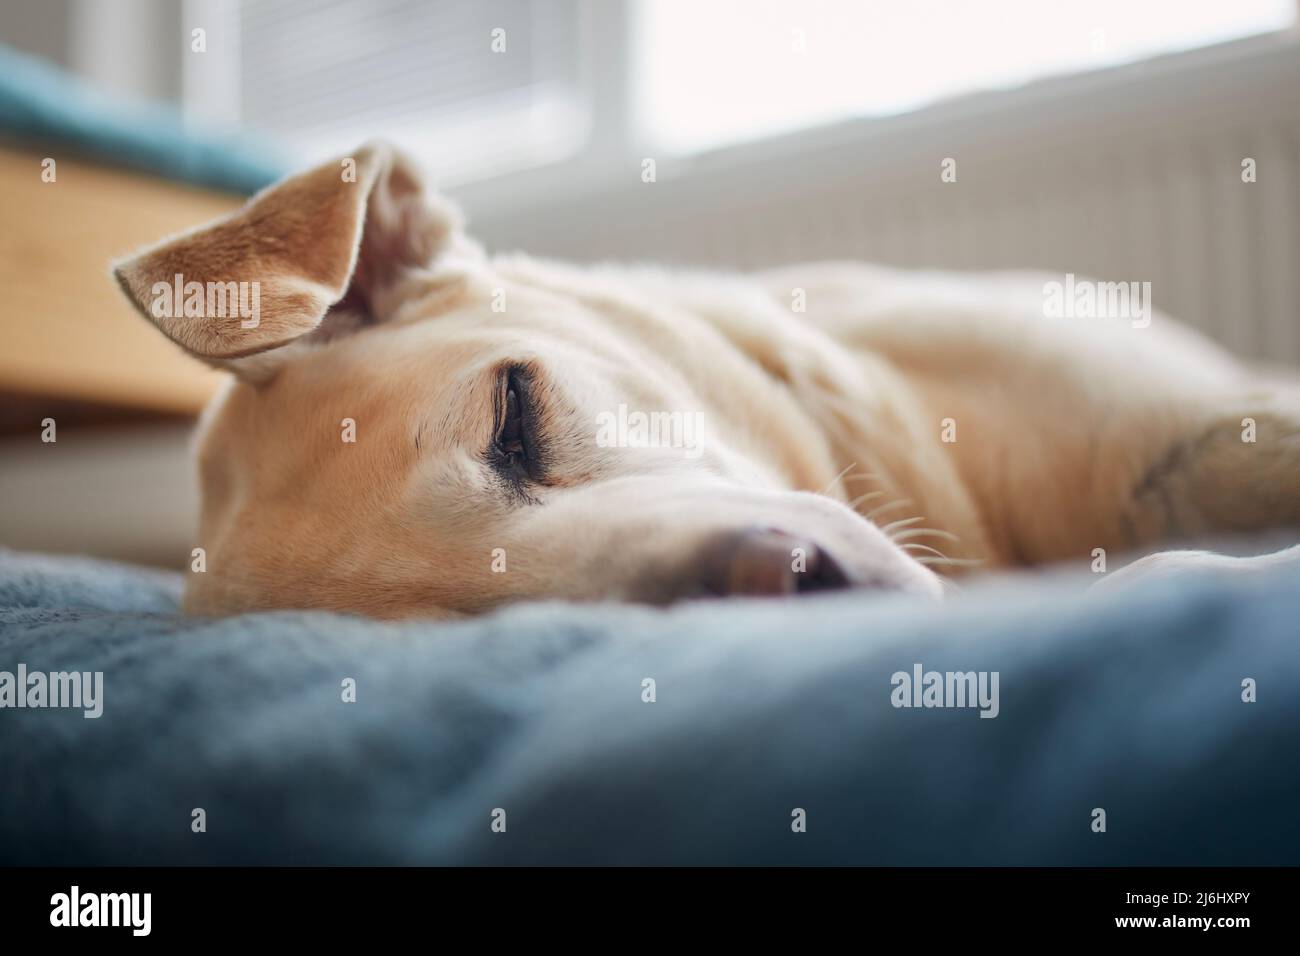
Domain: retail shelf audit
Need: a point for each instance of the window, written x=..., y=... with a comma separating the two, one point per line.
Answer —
x=473, y=88
x=713, y=72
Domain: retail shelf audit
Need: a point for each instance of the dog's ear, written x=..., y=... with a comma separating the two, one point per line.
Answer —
x=339, y=246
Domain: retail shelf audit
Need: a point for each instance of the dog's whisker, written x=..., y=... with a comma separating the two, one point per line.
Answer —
x=924, y=547
x=922, y=532
x=867, y=497
x=901, y=523
x=881, y=509
x=836, y=480
x=958, y=562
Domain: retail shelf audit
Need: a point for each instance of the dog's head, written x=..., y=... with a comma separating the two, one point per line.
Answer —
x=413, y=428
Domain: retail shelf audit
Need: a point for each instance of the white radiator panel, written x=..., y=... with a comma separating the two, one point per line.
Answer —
x=1134, y=174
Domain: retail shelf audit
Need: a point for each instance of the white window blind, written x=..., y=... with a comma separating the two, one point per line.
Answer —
x=722, y=72
x=324, y=75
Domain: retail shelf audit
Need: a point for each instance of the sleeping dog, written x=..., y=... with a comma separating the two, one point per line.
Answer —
x=413, y=427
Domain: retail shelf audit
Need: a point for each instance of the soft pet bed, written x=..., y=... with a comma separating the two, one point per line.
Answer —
x=760, y=710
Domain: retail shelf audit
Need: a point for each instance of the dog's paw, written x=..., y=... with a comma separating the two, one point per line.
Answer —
x=1167, y=564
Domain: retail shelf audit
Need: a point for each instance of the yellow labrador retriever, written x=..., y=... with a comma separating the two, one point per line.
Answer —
x=413, y=427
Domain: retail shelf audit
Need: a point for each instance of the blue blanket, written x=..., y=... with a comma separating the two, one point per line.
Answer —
x=528, y=736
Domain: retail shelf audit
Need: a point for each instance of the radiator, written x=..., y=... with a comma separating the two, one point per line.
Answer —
x=1128, y=174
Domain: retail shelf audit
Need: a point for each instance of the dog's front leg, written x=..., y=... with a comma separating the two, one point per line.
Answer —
x=1238, y=474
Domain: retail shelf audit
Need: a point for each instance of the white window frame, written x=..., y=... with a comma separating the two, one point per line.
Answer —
x=613, y=150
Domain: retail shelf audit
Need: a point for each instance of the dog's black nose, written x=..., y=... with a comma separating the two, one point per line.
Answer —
x=759, y=561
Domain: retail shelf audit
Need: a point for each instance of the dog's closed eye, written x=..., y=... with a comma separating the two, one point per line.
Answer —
x=516, y=454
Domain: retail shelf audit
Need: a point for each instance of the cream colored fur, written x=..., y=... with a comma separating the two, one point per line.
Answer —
x=1070, y=435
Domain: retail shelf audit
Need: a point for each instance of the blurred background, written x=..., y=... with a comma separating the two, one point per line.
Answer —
x=1146, y=140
